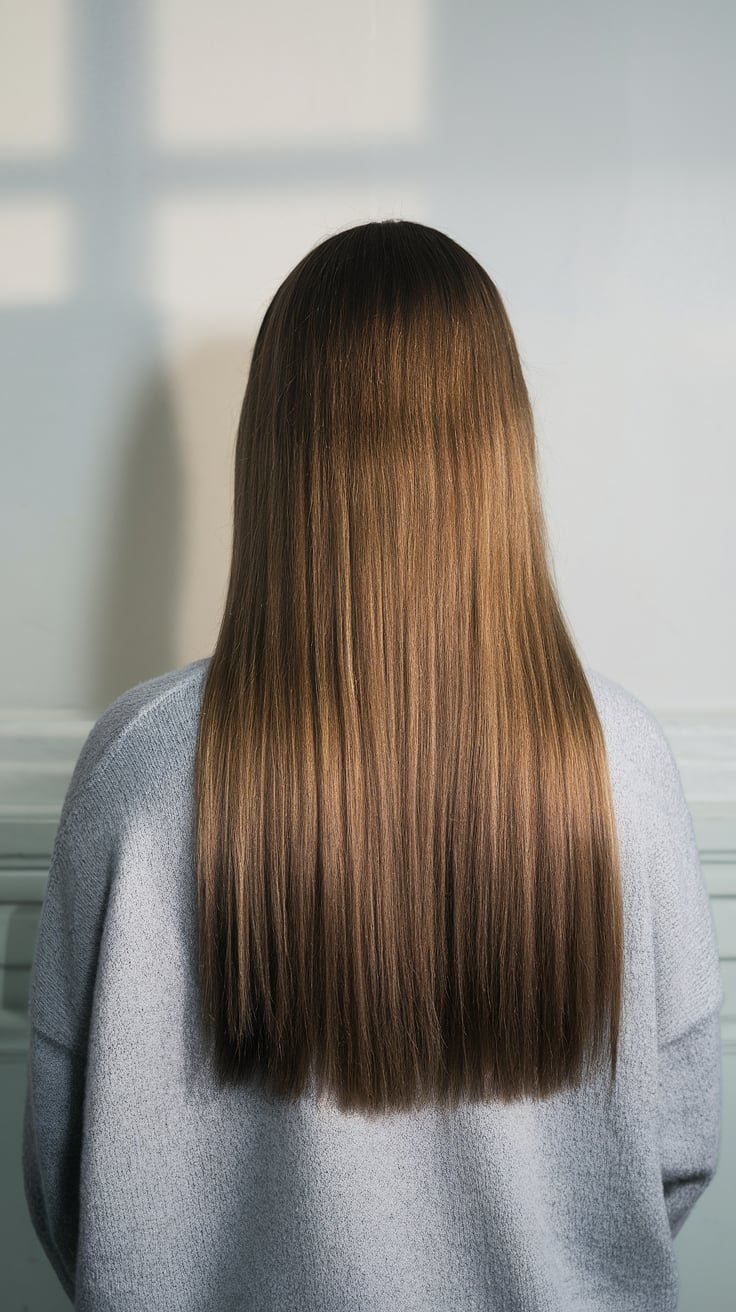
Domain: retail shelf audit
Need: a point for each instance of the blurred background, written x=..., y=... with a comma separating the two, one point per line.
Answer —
x=163, y=166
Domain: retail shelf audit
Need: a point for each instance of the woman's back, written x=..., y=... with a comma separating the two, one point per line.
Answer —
x=153, y=1186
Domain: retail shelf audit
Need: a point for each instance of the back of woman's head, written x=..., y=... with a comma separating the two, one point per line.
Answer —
x=406, y=849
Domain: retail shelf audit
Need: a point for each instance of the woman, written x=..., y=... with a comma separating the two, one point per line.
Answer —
x=376, y=969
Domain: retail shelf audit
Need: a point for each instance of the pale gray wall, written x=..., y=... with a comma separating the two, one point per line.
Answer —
x=163, y=165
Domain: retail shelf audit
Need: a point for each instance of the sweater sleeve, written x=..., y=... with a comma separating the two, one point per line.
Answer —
x=689, y=994
x=72, y=918
x=689, y=1115
x=52, y=1136
x=689, y=997
x=687, y=966
x=60, y=1009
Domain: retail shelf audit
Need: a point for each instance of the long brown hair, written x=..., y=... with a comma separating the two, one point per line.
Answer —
x=407, y=861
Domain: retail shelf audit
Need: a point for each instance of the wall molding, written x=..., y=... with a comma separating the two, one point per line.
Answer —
x=38, y=752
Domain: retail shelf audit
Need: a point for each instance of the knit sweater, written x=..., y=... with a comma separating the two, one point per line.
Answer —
x=152, y=1188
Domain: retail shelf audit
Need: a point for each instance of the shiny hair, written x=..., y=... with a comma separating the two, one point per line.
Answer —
x=407, y=864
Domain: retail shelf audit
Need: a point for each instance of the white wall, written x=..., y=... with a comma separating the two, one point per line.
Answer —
x=164, y=164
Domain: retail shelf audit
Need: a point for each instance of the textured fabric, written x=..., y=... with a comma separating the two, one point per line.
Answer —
x=151, y=1188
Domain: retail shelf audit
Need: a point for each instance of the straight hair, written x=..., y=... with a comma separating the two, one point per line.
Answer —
x=407, y=865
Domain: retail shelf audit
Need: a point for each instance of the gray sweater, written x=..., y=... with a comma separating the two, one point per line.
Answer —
x=151, y=1189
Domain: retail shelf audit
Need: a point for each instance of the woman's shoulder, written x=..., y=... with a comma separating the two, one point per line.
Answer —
x=638, y=749
x=135, y=728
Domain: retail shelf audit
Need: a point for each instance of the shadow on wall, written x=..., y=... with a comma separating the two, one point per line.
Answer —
x=136, y=592
x=163, y=564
